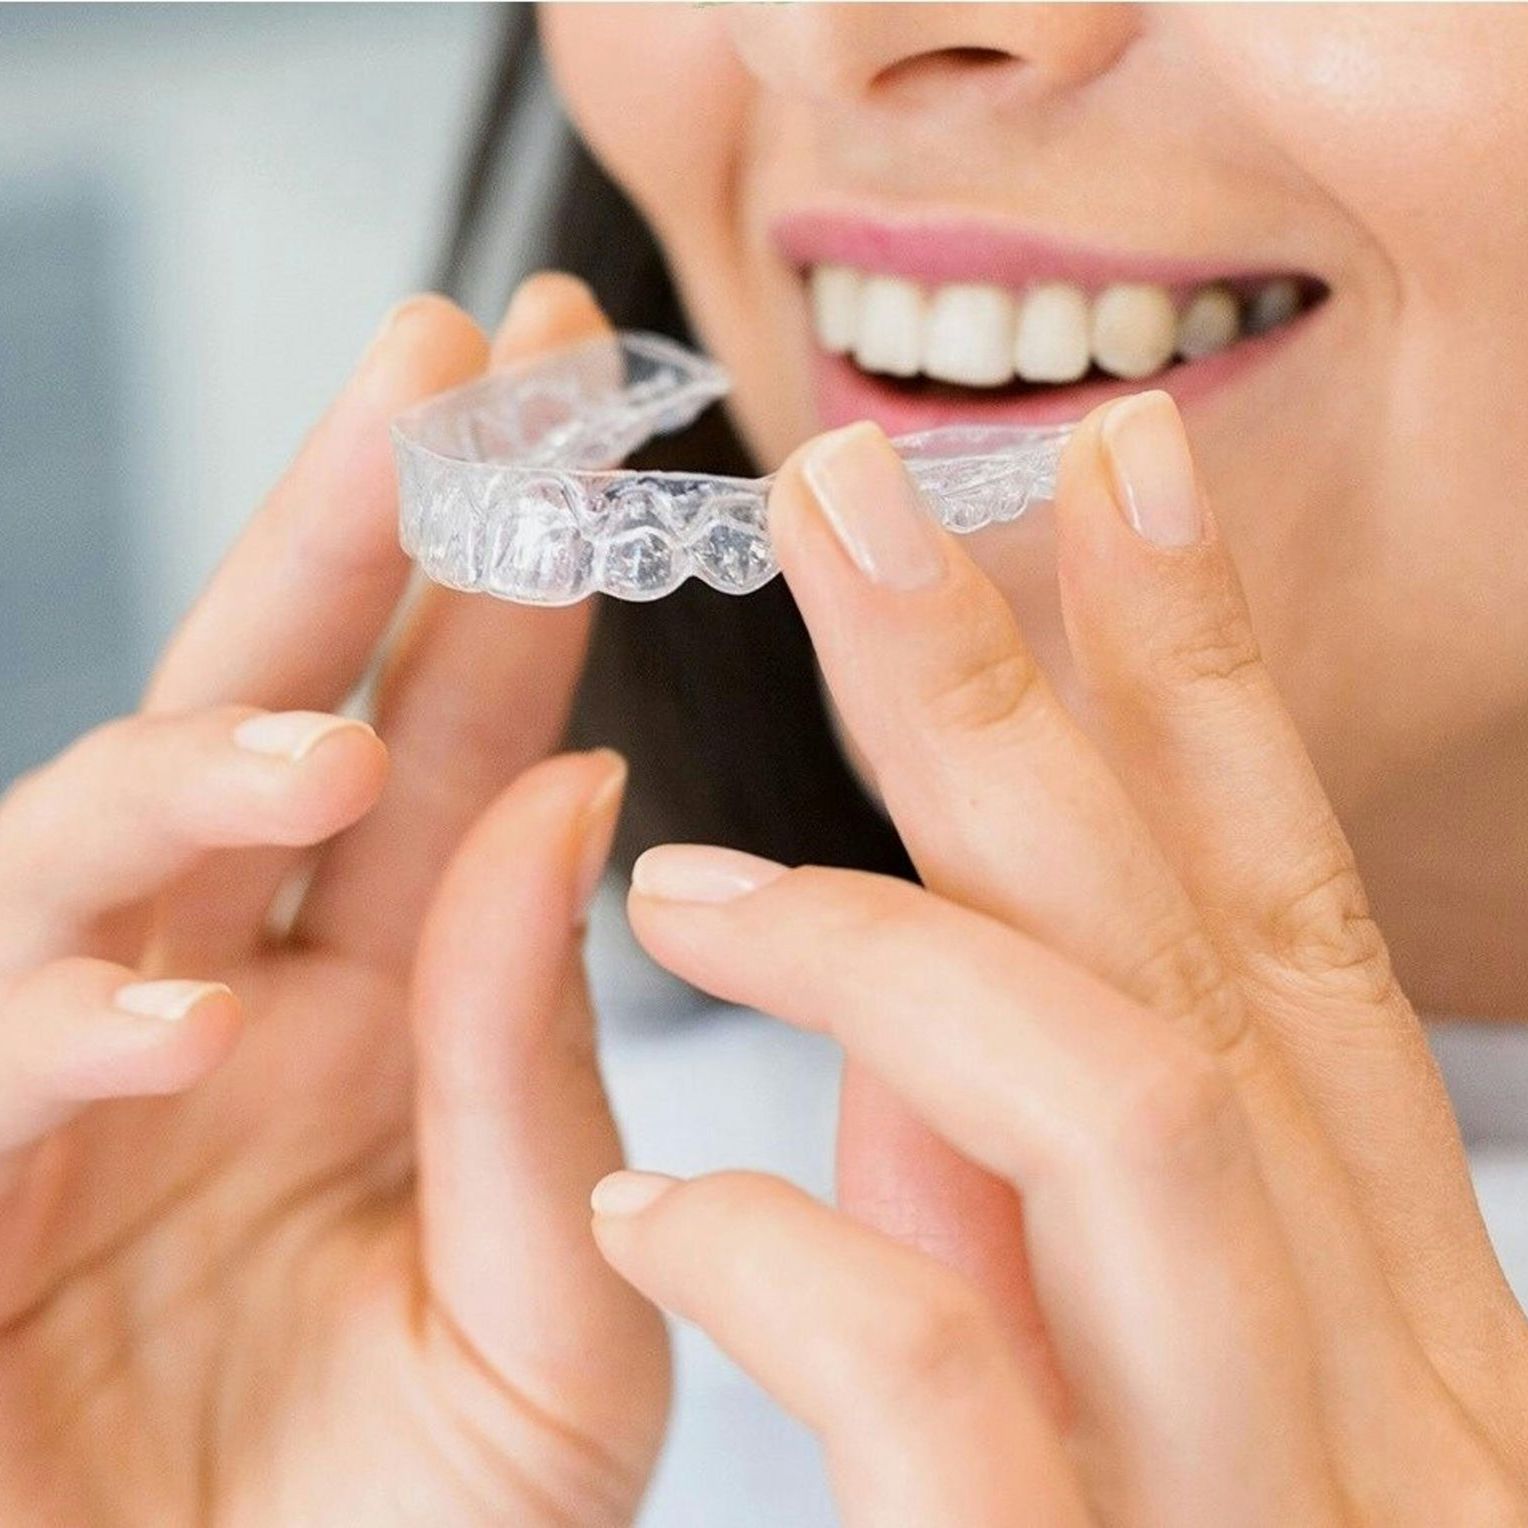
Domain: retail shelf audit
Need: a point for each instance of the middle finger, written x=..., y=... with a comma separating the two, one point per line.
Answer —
x=292, y=615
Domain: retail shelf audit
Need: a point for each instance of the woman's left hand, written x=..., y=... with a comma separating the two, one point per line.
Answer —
x=1144, y=993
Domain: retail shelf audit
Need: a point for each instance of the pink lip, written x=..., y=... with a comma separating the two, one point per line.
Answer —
x=931, y=249
x=934, y=249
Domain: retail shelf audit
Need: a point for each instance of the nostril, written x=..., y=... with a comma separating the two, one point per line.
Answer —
x=939, y=69
x=978, y=56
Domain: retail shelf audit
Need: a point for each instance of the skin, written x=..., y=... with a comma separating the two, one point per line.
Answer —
x=318, y=1250
x=1330, y=146
x=1263, y=1288
x=1352, y=143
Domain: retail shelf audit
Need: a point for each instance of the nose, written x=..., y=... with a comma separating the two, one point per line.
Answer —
x=913, y=56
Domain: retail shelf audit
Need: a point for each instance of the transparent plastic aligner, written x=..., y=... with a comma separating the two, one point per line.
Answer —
x=509, y=485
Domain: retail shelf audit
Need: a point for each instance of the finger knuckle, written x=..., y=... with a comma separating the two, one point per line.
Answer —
x=725, y=1198
x=30, y=794
x=109, y=736
x=16, y=799
x=1324, y=934
x=990, y=680
x=1183, y=974
x=1210, y=642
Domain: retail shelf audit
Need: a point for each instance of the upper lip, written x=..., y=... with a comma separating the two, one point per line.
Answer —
x=934, y=248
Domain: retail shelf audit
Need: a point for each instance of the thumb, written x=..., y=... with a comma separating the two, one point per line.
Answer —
x=514, y=1128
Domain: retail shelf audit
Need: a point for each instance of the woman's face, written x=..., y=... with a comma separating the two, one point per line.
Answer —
x=1367, y=456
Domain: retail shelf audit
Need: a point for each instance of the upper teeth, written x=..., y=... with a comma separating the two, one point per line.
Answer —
x=982, y=335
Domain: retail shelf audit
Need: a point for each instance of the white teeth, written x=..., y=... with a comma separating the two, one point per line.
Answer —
x=888, y=334
x=1274, y=303
x=1134, y=329
x=1209, y=323
x=978, y=334
x=835, y=306
x=1051, y=344
x=968, y=335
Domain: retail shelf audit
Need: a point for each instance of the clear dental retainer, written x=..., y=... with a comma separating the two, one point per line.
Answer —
x=510, y=485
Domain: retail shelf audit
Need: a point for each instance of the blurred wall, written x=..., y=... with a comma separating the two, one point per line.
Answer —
x=204, y=210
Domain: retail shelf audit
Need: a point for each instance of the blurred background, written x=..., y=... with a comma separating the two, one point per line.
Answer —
x=204, y=212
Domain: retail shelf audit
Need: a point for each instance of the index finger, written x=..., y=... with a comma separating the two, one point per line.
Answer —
x=1162, y=637
x=290, y=618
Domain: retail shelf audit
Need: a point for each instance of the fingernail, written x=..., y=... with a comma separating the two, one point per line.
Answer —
x=520, y=305
x=403, y=310
x=874, y=508
x=164, y=1000
x=400, y=313
x=291, y=735
x=628, y=1193
x=1152, y=471
x=596, y=831
x=536, y=289
x=700, y=873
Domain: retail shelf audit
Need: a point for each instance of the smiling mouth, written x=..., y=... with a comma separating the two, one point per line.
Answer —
x=927, y=321
x=1052, y=334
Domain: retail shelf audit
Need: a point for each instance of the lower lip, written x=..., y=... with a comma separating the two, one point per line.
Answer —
x=846, y=394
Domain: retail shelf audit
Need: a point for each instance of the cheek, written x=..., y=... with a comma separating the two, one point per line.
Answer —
x=1412, y=125
x=1402, y=118
x=659, y=97
x=1395, y=113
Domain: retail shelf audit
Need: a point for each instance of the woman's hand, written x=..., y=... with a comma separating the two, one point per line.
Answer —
x=1144, y=993
x=293, y=1223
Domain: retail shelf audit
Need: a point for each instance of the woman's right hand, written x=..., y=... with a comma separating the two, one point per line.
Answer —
x=293, y=1225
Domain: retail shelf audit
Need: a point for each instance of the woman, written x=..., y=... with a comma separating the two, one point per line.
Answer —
x=344, y=1273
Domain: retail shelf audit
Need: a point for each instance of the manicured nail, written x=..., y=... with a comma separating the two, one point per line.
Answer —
x=596, y=829
x=874, y=508
x=291, y=735
x=164, y=1000
x=400, y=313
x=700, y=873
x=628, y=1193
x=403, y=310
x=1153, y=472
x=535, y=291
x=522, y=303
